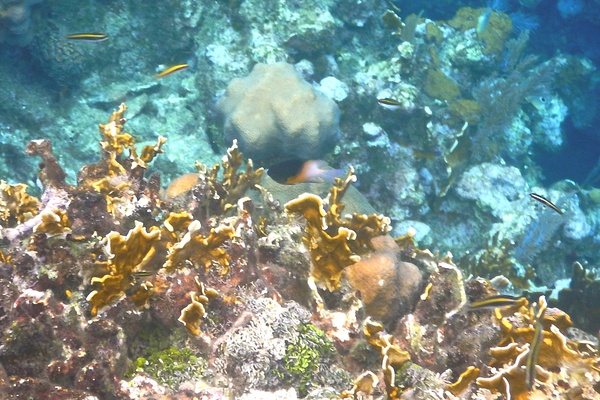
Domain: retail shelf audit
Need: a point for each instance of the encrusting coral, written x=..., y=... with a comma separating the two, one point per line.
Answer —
x=388, y=284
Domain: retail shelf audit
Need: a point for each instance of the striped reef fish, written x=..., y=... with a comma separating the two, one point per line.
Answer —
x=171, y=70
x=87, y=37
x=536, y=343
x=546, y=202
x=501, y=300
x=389, y=104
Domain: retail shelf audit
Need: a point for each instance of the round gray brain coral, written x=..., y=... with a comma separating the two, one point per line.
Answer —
x=276, y=115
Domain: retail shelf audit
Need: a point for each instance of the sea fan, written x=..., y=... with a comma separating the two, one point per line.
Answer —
x=524, y=22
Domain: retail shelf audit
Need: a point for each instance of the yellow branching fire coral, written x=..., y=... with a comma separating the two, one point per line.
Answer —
x=115, y=175
x=192, y=315
x=536, y=354
x=126, y=255
x=218, y=196
x=176, y=225
x=463, y=381
x=334, y=242
x=148, y=153
x=200, y=249
x=330, y=253
x=5, y=259
x=53, y=223
x=365, y=383
x=16, y=206
x=393, y=356
x=114, y=140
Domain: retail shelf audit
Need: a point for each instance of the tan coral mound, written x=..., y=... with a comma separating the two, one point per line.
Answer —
x=277, y=115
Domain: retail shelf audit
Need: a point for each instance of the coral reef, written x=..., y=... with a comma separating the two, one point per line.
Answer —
x=276, y=115
x=579, y=300
x=227, y=285
x=268, y=349
x=153, y=268
x=558, y=359
x=335, y=242
x=425, y=352
x=213, y=196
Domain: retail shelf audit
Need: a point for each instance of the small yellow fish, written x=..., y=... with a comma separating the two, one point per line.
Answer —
x=171, y=70
x=546, y=202
x=87, y=37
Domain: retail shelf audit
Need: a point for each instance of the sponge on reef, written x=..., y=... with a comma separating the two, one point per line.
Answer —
x=276, y=115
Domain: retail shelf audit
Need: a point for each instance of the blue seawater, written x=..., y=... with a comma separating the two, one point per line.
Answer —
x=569, y=8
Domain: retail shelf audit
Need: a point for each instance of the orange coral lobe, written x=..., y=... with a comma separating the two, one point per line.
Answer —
x=182, y=184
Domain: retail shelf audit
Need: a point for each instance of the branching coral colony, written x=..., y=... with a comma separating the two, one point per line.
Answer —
x=333, y=240
x=113, y=195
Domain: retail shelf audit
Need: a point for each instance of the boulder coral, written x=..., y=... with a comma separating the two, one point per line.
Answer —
x=276, y=115
x=15, y=21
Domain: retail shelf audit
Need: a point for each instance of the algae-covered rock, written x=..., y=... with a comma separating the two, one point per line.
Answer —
x=467, y=110
x=438, y=85
x=433, y=34
x=493, y=33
